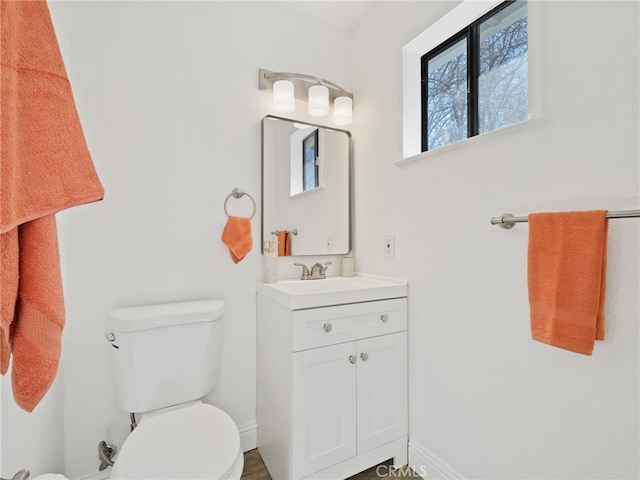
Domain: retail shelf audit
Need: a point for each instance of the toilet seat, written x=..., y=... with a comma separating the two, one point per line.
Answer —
x=197, y=441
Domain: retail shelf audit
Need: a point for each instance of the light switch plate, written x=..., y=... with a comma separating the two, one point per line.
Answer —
x=389, y=245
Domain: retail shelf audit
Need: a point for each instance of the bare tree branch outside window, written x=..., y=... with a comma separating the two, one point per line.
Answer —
x=503, y=92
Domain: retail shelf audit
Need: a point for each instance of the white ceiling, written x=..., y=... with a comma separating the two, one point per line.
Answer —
x=344, y=14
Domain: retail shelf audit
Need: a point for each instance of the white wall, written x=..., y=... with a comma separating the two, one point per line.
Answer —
x=485, y=400
x=168, y=96
x=32, y=441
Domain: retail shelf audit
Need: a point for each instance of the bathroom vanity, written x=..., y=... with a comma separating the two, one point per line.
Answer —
x=331, y=376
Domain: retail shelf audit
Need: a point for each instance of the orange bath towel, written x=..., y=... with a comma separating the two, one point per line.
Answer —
x=237, y=236
x=566, y=272
x=45, y=167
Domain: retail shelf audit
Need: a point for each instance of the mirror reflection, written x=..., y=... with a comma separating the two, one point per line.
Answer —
x=305, y=187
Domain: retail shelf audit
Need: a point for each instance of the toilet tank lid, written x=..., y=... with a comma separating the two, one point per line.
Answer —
x=131, y=319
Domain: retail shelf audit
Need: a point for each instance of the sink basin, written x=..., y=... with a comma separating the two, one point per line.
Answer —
x=299, y=294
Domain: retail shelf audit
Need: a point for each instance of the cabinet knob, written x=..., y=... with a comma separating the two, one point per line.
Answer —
x=327, y=327
x=352, y=358
x=384, y=317
x=364, y=356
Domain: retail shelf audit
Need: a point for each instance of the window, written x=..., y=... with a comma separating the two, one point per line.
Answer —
x=310, y=176
x=477, y=80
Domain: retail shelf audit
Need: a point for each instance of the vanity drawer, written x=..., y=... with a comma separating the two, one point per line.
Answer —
x=318, y=327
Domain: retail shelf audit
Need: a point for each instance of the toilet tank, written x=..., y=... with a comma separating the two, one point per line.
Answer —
x=167, y=354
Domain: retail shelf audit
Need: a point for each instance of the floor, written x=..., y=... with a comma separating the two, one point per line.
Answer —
x=254, y=469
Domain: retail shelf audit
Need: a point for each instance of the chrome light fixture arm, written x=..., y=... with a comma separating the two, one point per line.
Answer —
x=267, y=78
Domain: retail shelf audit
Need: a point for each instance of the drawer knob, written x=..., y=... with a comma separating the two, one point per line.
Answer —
x=384, y=317
x=352, y=358
x=364, y=356
x=327, y=327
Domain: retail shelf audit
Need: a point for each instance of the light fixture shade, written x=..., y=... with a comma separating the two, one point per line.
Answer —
x=283, y=99
x=342, y=111
x=318, y=101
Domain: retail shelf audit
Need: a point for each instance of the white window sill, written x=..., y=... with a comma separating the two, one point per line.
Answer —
x=470, y=142
x=307, y=192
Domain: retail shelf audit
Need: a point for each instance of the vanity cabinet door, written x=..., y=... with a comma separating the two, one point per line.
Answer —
x=382, y=390
x=324, y=407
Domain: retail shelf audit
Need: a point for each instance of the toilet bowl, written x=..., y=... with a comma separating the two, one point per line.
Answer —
x=194, y=442
x=165, y=359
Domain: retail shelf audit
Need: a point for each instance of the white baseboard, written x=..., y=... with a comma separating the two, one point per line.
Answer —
x=428, y=465
x=248, y=436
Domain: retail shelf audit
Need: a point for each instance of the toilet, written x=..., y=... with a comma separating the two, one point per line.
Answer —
x=165, y=359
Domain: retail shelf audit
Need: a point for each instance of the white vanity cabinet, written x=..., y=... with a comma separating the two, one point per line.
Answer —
x=331, y=387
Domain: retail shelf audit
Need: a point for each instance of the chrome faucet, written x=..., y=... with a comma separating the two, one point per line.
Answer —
x=318, y=271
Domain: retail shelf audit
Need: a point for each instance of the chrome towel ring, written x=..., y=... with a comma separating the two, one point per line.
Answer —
x=239, y=193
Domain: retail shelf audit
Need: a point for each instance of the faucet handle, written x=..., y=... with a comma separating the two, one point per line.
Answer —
x=318, y=270
x=323, y=266
x=305, y=271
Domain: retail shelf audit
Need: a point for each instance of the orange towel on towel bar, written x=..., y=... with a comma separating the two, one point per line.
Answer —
x=45, y=167
x=567, y=262
x=284, y=243
x=237, y=237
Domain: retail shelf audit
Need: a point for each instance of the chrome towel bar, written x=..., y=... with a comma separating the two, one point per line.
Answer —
x=294, y=232
x=508, y=221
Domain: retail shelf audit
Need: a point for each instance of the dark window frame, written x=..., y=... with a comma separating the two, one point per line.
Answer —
x=472, y=35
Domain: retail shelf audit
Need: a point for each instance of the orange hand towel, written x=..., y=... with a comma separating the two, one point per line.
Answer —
x=284, y=243
x=45, y=166
x=237, y=236
x=567, y=261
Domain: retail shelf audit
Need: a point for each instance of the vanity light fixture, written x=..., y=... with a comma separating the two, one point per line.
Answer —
x=317, y=91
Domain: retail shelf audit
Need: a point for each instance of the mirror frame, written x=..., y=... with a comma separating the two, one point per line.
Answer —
x=349, y=182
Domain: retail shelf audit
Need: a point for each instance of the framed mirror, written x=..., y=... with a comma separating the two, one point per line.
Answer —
x=306, y=180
